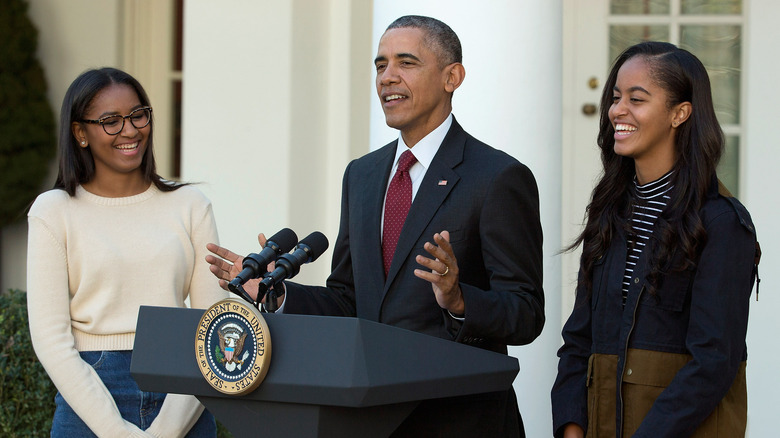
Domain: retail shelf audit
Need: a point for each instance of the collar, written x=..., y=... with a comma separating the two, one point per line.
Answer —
x=427, y=147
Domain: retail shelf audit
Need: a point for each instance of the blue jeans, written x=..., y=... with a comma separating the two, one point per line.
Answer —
x=136, y=406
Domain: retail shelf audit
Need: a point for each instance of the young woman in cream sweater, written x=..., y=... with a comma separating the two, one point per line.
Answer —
x=111, y=236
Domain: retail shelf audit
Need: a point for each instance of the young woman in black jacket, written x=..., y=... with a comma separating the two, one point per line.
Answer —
x=655, y=345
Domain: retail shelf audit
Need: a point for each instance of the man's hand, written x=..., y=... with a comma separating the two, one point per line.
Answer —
x=443, y=274
x=227, y=265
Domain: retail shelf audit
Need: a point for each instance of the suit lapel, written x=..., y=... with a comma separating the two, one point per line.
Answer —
x=429, y=198
x=366, y=244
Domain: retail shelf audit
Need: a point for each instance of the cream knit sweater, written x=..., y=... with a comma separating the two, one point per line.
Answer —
x=91, y=262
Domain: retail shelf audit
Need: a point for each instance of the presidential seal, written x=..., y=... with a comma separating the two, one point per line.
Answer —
x=233, y=346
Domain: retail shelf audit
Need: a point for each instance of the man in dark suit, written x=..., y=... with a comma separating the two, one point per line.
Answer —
x=480, y=281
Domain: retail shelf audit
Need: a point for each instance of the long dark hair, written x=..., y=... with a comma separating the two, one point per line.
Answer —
x=698, y=148
x=76, y=164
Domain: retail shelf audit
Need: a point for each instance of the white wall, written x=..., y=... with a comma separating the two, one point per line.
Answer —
x=760, y=167
x=271, y=116
x=511, y=100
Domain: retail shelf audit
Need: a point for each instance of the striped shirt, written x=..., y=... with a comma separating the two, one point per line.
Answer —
x=649, y=200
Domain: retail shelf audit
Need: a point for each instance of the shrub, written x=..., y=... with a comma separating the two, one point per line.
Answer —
x=26, y=393
x=27, y=143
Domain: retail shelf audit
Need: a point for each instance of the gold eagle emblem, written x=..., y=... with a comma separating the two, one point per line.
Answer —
x=231, y=342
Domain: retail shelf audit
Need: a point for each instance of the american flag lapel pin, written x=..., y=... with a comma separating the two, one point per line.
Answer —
x=442, y=182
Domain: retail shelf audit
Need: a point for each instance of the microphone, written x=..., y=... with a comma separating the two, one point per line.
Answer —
x=255, y=264
x=288, y=265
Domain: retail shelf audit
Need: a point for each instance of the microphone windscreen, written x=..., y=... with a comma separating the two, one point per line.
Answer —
x=317, y=243
x=285, y=239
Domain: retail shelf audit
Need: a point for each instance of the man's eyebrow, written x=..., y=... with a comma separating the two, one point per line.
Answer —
x=407, y=56
x=398, y=56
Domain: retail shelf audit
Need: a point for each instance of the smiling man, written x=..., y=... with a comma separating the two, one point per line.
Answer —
x=439, y=232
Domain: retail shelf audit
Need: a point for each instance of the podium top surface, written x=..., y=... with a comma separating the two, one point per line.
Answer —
x=323, y=360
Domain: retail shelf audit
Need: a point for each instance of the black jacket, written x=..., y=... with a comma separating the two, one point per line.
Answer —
x=702, y=312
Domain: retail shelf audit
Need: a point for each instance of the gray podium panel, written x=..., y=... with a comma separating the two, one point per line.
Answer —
x=328, y=376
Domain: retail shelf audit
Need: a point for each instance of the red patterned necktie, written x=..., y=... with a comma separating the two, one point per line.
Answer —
x=397, y=204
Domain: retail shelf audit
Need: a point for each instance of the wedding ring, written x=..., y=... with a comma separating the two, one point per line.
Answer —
x=445, y=272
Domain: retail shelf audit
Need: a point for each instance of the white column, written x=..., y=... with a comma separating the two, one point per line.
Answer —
x=758, y=173
x=273, y=112
x=510, y=99
x=236, y=114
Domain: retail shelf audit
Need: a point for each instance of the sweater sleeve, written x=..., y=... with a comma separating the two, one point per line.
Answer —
x=48, y=307
x=203, y=290
x=569, y=392
x=185, y=408
x=180, y=412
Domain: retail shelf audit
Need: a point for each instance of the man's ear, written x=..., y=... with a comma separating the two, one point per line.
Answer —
x=454, y=75
x=681, y=113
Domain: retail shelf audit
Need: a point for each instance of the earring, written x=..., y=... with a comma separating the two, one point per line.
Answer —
x=83, y=143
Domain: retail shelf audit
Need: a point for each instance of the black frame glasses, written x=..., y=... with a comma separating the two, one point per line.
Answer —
x=114, y=118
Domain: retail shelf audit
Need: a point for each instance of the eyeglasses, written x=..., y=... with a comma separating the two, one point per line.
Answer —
x=113, y=125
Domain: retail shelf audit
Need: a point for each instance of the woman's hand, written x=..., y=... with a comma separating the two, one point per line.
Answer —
x=573, y=431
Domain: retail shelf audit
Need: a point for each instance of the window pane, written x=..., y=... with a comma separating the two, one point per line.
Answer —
x=177, y=116
x=624, y=36
x=711, y=7
x=719, y=47
x=728, y=169
x=178, y=29
x=639, y=7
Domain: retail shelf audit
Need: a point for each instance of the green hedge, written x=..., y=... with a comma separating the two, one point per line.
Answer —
x=28, y=141
x=26, y=393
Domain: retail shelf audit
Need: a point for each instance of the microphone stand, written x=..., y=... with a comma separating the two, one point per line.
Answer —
x=239, y=290
x=270, y=299
x=257, y=303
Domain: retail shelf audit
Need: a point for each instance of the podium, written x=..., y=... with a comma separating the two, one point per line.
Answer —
x=328, y=376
